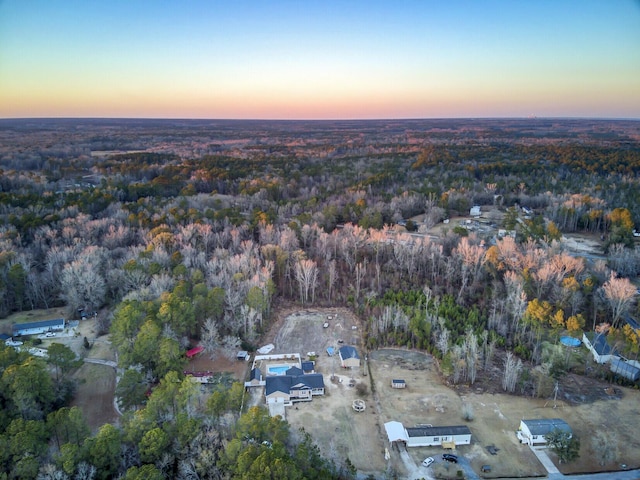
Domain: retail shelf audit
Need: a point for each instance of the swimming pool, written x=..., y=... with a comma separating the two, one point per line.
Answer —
x=278, y=369
x=570, y=341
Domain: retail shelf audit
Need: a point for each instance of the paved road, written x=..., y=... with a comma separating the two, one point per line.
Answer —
x=417, y=471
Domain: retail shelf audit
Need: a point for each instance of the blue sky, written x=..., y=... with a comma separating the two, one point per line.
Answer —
x=330, y=59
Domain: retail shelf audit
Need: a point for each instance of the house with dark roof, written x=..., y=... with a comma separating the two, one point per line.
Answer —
x=293, y=386
x=533, y=432
x=349, y=357
x=37, y=328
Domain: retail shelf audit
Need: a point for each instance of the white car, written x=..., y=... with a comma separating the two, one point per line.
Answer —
x=427, y=461
x=50, y=334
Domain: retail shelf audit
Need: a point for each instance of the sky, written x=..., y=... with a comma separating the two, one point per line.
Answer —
x=330, y=59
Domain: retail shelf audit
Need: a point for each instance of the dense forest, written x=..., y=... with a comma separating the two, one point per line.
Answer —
x=184, y=232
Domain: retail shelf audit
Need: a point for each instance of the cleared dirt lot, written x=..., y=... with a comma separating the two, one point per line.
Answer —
x=340, y=432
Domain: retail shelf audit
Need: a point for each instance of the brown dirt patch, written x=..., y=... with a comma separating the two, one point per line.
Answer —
x=220, y=364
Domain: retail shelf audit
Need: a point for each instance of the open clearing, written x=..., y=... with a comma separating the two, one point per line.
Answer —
x=340, y=432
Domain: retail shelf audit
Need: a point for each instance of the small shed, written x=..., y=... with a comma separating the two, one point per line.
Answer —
x=243, y=355
x=625, y=369
x=255, y=379
x=398, y=383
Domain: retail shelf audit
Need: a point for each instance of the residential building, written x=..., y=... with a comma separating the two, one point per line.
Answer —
x=534, y=431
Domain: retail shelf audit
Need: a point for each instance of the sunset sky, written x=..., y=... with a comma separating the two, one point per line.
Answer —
x=330, y=59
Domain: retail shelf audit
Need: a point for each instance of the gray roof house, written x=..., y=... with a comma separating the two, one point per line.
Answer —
x=294, y=387
x=36, y=328
x=533, y=431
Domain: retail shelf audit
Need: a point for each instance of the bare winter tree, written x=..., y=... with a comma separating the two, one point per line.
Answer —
x=512, y=369
x=82, y=285
x=332, y=276
x=620, y=294
x=458, y=363
x=471, y=355
x=361, y=271
x=442, y=340
x=230, y=345
x=307, y=276
x=210, y=337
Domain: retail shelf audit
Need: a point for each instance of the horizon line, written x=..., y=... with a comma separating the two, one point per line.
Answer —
x=351, y=119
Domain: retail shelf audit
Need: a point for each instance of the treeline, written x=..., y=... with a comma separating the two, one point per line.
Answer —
x=175, y=252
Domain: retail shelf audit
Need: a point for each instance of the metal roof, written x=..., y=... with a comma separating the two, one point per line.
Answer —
x=347, y=351
x=286, y=383
x=542, y=426
x=438, y=431
x=41, y=324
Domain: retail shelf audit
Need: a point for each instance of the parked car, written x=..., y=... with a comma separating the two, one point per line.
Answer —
x=427, y=461
x=50, y=334
x=449, y=457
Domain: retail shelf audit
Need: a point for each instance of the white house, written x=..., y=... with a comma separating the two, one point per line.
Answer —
x=36, y=328
x=447, y=437
x=598, y=346
x=532, y=432
x=428, y=436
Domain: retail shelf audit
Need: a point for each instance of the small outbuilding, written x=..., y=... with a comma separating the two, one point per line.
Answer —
x=255, y=379
x=308, y=367
x=398, y=383
x=243, y=355
x=349, y=357
x=625, y=369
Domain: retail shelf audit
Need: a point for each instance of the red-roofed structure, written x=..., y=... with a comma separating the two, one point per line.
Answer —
x=194, y=351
